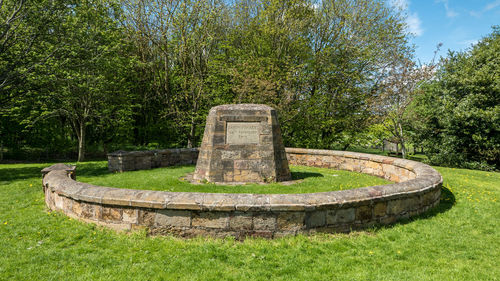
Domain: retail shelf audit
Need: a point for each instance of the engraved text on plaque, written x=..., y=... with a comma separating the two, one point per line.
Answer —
x=242, y=132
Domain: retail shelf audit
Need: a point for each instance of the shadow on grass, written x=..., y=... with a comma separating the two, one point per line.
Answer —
x=304, y=175
x=12, y=174
x=7, y=175
x=91, y=169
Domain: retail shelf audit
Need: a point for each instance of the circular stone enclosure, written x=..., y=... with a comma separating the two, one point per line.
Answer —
x=417, y=188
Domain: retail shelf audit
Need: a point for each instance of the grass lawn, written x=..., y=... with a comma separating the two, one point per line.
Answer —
x=167, y=179
x=458, y=240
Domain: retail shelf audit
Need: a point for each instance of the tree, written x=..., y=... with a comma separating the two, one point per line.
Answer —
x=178, y=42
x=140, y=72
x=401, y=85
x=28, y=38
x=87, y=77
x=318, y=63
x=459, y=113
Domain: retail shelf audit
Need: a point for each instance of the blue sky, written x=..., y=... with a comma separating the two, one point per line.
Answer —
x=455, y=23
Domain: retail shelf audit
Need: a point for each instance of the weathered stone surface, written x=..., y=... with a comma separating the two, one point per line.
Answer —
x=396, y=206
x=242, y=143
x=380, y=209
x=76, y=208
x=146, y=217
x=239, y=215
x=88, y=210
x=241, y=221
x=130, y=215
x=173, y=218
x=111, y=214
x=58, y=202
x=121, y=161
x=315, y=219
x=265, y=221
x=290, y=221
x=345, y=215
x=210, y=219
x=363, y=213
x=70, y=170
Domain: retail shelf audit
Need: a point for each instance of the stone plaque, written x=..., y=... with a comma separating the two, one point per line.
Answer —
x=242, y=133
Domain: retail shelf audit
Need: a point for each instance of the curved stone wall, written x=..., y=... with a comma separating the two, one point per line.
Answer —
x=417, y=188
x=121, y=161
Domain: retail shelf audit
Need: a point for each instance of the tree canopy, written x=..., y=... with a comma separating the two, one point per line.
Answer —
x=88, y=76
x=458, y=116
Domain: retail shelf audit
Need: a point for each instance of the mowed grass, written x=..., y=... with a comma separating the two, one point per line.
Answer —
x=458, y=240
x=309, y=179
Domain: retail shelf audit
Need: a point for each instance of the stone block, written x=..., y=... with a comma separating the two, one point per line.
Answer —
x=111, y=214
x=345, y=215
x=395, y=207
x=315, y=219
x=363, y=213
x=427, y=198
x=88, y=210
x=228, y=154
x=67, y=204
x=77, y=208
x=380, y=209
x=130, y=215
x=173, y=218
x=412, y=203
x=58, y=201
x=241, y=221
x=265, y=221
x=146, y=217
x=210, y=219
x=290, y=221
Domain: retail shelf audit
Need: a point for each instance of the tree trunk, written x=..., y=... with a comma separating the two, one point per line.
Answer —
x=403, y=149
x=402, y=140
x=1, y=150
x=191, y=133
x=81, y=142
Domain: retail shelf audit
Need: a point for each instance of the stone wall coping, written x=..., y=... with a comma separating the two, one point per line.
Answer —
x=151, y=152
x=427, y=178
x=242, y=106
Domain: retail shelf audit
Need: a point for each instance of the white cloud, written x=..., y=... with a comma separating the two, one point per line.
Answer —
x=413, y=22
x=475, y=14
x=492, y=5
x=450, y=13
x=487, y=8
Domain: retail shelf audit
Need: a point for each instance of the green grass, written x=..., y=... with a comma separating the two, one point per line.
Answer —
x=458, y=240
x=168, y=179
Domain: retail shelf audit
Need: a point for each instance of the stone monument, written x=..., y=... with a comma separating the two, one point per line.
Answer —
x=242, y=143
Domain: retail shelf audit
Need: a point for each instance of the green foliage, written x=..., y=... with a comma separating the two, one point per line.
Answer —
x=129, y=72
x=458, y=117
x=83, y=80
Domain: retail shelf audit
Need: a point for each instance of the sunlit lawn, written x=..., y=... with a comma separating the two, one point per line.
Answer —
x=458, y=240
x=307, y=179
